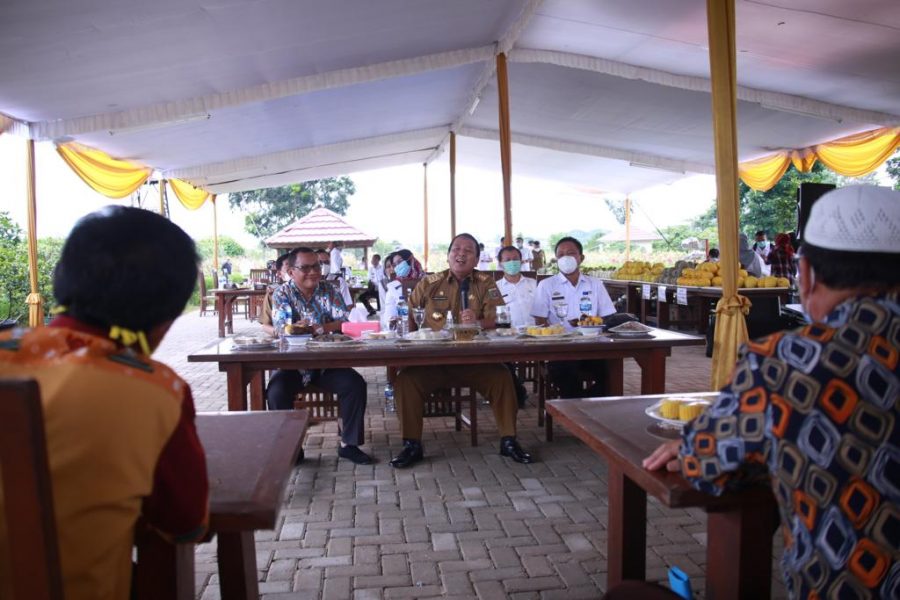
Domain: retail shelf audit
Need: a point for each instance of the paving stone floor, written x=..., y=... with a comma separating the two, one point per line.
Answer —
x=466, y=523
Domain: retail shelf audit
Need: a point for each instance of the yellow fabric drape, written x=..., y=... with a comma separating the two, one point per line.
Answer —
x=34, y=300
x=505, y=146
x=851, y=156
x=191, y=197
x=731, y=328
x=111, y=177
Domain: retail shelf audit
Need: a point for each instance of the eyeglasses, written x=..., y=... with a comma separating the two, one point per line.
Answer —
x=308, y=268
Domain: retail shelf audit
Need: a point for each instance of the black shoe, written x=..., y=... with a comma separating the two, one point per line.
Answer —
x=511, y=448
x=354, y=455
x=411, y=454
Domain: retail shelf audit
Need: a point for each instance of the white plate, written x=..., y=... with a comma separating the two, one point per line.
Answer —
x=442, y=337
x=256, y=346
x=297, y=340
x=631, y=327
x=552, y=336
x=653, y=411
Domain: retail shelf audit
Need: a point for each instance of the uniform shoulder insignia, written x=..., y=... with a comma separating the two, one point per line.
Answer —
x=434, y=277
x=129, y=359
x=479, y=276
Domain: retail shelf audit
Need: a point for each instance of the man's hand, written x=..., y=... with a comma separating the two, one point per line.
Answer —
x=665, y=455
x=467, y=316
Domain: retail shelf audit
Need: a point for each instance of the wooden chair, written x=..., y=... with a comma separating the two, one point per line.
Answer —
x=550, y=391
x=28, y=494
x=206, y=300
x=322, y=405
x=260, y=276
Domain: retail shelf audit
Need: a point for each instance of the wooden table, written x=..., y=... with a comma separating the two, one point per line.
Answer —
x=225, y=300
x=245, y=368
x=739, y=526
x=249, y=459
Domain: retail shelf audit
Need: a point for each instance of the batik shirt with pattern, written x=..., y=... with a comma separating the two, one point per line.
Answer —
x=325, y=305
x=817, y=408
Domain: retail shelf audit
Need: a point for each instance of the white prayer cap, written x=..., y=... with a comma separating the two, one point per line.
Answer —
x=856, y=218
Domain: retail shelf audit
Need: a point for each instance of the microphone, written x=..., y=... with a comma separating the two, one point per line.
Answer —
x=464, y=292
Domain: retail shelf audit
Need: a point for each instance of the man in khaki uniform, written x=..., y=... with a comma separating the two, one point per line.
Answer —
x=440, y=294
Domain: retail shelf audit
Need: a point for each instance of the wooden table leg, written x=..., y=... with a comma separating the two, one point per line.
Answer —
x=662, y=314
x=614, y=377
x=739, y=552
x=257, y=391
x=220, y=313
x=229, y=313
x=653, y=370
x=626, y=530
x=163, y=570
x=236, y=387
x=237, y=566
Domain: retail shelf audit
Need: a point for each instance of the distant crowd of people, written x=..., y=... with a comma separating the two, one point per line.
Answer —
x=778, y=259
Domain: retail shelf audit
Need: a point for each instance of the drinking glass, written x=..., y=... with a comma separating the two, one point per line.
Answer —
x=562, y=310
x=503, y=319
x=418, y=316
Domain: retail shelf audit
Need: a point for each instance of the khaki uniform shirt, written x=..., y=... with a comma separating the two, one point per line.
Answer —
x=440, y=293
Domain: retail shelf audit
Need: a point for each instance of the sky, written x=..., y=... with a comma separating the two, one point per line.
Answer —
x=388, y=202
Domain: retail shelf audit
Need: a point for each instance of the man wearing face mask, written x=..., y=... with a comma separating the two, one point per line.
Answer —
x=572, y=294
x=334, y=279
x=813, y=412
x=518, y=294
x=471, y=297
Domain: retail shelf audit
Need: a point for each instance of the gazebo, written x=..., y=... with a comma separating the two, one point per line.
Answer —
x=638, y=236
x=318, y=229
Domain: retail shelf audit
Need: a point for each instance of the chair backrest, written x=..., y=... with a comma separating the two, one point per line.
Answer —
x=27, y=493
x=260, y=275
x=202, y=281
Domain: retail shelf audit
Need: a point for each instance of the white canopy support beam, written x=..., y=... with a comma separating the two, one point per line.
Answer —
x=638, y=159
x=767, y=99
x=163, y=114
x=504, y=45
x=302, y=158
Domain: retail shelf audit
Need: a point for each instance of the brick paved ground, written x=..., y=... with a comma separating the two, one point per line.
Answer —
x=466, y=523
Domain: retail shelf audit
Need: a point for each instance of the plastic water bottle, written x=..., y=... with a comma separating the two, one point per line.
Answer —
x=448, y=324
x=585, y=306
x=389, y=405
x=403, y=316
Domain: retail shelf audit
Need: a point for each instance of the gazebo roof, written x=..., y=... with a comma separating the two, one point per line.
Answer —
x=637, y=235
x=317, y=229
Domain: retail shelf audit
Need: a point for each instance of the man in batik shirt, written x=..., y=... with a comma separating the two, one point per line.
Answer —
x=317, y=303
x=817, y=408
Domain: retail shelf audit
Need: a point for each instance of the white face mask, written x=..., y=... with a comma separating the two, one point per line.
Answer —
x=567, y=264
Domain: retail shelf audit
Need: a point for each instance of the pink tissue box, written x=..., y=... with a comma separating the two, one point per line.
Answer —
x=356, y=329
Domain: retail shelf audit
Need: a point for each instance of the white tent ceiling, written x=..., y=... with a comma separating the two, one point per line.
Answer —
x=242, y=94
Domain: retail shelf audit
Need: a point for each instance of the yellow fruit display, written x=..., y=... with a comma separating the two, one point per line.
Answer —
x=750, y=282
x=783, y=282
x=541, y=331
x=688, y=411
x=669, y=408
x=638, y=270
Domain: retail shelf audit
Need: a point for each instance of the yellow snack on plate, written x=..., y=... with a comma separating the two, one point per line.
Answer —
x=689, y=411
x=669, y=408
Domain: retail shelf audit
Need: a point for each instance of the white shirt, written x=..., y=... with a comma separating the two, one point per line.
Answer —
x=518, y=297
x=389, y=306
x=337, y=261
x=557, y=289
x=484, y=261
x=375, y=274
x=526, y=257
x=343, y=288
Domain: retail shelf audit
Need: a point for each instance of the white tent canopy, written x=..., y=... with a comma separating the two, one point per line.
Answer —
x=239, y=94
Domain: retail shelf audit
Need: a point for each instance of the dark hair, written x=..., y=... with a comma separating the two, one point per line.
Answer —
x=374, y=256
x=714, y=253
x=468, y=236
x=569, y=239
x=760, y=232
x=316, y=251
x=507, y=249
x=301, y=250
x=839, y=269
x=404, y=254
x=127, y=267
x=280, y=261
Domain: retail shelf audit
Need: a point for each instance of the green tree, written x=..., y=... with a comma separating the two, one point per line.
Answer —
x=271, y=209
x=773, y=211
x=893, y=169
x=14, y=282
x=617, y=208
x=228, y=246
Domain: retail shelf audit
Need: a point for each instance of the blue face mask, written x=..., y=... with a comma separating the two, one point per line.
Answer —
x=402, y=269
x=512, y=267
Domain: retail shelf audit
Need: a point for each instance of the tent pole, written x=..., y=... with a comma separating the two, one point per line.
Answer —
x=452, y=184
x=505, y=147
x=34, y=300
x=215, y=238
x=731, y=327
x=162, y=196
x=627, y=228
x=425, y=207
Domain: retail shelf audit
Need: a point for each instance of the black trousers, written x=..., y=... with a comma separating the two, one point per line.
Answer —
x=346, y=384
x=567, y=377
x=367, y=296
